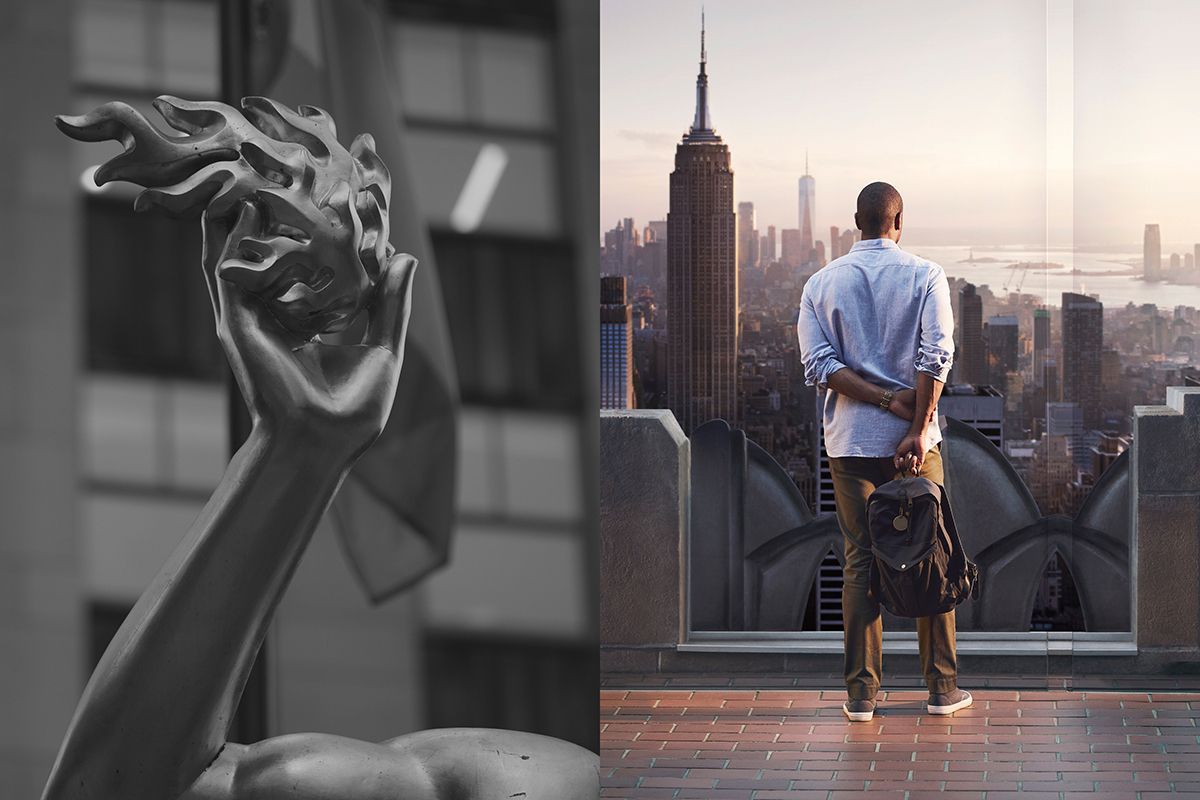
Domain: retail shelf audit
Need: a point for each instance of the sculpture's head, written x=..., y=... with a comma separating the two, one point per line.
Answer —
x=323, y=238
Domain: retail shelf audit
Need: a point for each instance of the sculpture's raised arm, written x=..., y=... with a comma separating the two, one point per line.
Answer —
x=295, y=244
x=158, y=707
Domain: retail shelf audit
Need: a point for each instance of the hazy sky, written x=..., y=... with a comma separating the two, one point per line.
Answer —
x=996, y=120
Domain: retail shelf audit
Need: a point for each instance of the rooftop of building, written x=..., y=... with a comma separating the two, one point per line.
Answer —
x=756, y=744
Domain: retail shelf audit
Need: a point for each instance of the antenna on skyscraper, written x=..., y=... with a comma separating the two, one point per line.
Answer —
x=806, y=161
x=703, y=57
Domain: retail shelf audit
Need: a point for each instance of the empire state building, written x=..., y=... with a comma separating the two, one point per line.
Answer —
x=702, y=279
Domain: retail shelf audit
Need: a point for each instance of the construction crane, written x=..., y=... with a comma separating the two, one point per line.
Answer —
x=1023, y=268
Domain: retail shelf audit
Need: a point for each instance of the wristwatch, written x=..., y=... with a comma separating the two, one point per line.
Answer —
x=888, y=394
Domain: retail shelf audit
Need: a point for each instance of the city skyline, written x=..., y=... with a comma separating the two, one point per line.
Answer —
x=991, y=93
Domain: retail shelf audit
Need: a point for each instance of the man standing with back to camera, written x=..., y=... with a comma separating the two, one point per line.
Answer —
x=876, y=336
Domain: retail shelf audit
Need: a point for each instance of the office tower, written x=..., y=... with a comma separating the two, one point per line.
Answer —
x=702, y=276
x=1196, y=261
x=1050, y=473
x=1188, y=262
x=1152, y=254
x=835, y=243
x=820, y=250
x=1041, y=344
x=1002, y=342
x=772, y=251
x=791, y=251
x=745, y=234
x=1067, y=419
x=1110, y=371
x=848, y=238
x=1053, y=388
x=764, y=258
x=1083, y=338
x=972, y=358
x=808, y=213
x=658, y=227
x=981, y=407
x=616, y=344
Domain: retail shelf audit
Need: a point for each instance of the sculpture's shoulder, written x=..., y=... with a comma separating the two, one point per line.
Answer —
x=313, y=767
x=459, y=763
x=477, y=763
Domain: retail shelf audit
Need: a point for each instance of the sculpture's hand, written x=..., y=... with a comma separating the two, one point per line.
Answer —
x=334, y=397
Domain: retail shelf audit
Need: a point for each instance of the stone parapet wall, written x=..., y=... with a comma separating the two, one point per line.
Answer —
x=645, y=495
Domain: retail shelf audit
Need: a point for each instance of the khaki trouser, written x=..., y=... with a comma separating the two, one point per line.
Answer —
x=853, y=481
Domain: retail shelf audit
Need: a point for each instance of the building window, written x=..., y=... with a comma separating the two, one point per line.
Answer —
x=511, y=310
x=514, y=684
x=147, y=306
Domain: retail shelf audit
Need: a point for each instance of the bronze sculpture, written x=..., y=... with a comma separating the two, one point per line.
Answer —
x=153, y=720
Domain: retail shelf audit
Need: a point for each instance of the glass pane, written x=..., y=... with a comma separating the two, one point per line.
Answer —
x=148, y=309
x=120, y=430
x=523, y=200
x=515, y=88
x=512, y=321
x=198, y=415
x=429, y=63
x=501, y=581
x=541, y=466
x=111, y=39
x=189, y=49
x=478, y=462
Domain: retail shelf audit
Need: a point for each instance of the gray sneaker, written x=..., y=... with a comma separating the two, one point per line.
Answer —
x=950, y=702
x=859, y=710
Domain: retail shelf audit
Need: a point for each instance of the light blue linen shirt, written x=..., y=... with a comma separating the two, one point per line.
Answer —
x=885, y=314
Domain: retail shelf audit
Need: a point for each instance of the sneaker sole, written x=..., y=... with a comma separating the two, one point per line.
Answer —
x=857, y=716
x=950, y=709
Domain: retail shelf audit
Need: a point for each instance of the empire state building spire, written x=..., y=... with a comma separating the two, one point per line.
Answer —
x=702, y=129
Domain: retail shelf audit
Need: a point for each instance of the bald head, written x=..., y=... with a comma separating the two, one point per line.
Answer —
x=879, y=211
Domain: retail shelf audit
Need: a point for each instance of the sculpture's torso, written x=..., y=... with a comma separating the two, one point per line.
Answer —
x=445, y=764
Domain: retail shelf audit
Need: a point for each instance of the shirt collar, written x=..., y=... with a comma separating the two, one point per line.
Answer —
x=875, y=244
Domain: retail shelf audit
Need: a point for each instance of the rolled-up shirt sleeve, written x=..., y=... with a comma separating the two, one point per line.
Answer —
x=821, y=359
x=935, y=355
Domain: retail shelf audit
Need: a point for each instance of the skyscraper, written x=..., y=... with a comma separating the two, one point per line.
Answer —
x=771, y=252
x=1041, y=344
x=973, y=363
x=1151, y=256
x=849, y=237
x=616, y=344
x=1083, y=338
x=835, y=243
x=792, y=252
x=745, y=235
x=1002, y=342
x=808, y=201
x=702, y=275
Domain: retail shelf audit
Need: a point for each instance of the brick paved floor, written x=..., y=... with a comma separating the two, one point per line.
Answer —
x=750, y=744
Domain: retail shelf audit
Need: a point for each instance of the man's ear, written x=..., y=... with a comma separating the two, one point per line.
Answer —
x=898, y=222
x=856, y=221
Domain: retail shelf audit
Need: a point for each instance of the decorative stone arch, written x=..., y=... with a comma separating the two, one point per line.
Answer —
x=1012, y=568
x=780, y=574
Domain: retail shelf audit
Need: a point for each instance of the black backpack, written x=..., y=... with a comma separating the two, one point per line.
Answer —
x=919, y=567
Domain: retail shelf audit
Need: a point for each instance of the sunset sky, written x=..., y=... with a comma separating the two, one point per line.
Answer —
x=997, y=121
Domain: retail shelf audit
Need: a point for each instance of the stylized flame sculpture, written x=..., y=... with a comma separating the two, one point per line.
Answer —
x=323, y=240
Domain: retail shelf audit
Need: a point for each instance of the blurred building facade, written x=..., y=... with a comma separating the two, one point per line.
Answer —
x=117, y=422
x=616, y=344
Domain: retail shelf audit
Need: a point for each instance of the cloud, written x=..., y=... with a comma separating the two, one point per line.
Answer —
x=655, y=140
